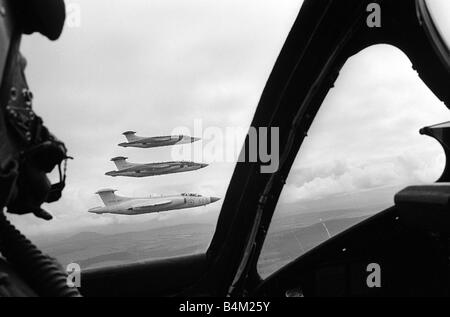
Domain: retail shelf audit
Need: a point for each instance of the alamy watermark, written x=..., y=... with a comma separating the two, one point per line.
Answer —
x=73, y=275
x=373, y=280
x=374, y=18
x=226, y=145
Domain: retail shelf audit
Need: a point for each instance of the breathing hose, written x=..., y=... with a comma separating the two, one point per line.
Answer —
x=42, y=273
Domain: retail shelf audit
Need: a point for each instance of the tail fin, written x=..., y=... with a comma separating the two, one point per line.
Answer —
x=121, y=162
x=131, y=136
x=108, y=197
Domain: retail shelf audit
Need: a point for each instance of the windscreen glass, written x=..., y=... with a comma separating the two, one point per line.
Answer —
x=440, y=13
x=363, y=147
x=161, y=72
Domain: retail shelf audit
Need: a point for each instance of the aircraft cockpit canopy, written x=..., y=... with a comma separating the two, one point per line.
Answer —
x=190, y=195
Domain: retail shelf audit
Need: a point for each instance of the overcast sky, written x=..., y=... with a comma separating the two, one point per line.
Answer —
x=152, y=66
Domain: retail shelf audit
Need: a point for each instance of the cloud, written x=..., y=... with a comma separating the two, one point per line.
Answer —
x=345, y=177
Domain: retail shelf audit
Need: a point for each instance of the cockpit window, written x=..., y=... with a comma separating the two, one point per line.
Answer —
x=440, y=13
x=363, y=147
x=149, y=69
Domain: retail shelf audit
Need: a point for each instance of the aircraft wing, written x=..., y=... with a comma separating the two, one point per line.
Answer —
x=161, y=138
x=144, y=167
x=149, y=204
x=156, y=166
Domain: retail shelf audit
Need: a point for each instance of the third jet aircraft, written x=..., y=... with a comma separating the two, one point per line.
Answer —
x=157, y=141
x=136, y=206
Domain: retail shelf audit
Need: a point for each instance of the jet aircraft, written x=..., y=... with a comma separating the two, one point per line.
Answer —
x=158, y=141
x=125, y=168
x=115, y=204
